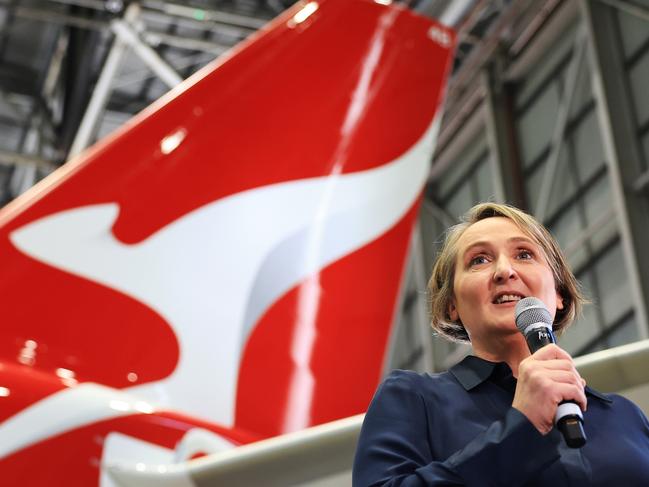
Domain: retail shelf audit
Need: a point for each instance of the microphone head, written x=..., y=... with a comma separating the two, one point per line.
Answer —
x=530, y=311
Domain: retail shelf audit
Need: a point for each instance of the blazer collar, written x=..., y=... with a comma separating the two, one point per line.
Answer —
x=473, y=371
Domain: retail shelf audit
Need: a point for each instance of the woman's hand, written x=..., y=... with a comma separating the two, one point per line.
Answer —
x=545, y=379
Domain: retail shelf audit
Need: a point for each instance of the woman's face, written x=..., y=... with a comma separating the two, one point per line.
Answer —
x=497, y=265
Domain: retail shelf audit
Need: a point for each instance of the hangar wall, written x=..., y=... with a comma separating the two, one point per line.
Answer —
x=547, y=109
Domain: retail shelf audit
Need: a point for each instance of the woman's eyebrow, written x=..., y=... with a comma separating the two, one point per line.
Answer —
x=522, y=239
x=479, y=243
x=487, y=243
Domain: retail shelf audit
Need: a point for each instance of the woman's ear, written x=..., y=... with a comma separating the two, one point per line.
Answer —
x=559, y=301
x=452, y=310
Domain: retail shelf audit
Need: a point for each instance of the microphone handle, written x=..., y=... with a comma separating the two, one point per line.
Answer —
x=538, y=337
x=568, y=417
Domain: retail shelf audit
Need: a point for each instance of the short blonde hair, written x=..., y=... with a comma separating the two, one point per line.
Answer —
x=440, y=286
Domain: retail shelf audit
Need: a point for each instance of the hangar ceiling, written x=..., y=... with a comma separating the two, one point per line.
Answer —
x=60, y=62
x=53, y=53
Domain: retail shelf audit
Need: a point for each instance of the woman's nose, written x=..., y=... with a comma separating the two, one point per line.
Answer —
x=503, y=270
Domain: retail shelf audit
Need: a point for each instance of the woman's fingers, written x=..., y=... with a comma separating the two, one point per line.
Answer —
x=551, y=351
x=559, y=385
x=566, y=377
x=551, y=357
x=572, y=392
x=545, y=379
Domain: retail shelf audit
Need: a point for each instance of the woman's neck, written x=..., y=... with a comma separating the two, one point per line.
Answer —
x=511, y=349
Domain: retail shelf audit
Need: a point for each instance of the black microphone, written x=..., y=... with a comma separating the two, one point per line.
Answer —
x=534, y=321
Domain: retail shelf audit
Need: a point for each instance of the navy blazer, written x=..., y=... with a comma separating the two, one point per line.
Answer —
x=459, y=428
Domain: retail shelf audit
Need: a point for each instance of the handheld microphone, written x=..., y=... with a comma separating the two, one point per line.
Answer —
x=534, y=321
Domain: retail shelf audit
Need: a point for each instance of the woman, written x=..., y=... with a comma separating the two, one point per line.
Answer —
x=489, y=419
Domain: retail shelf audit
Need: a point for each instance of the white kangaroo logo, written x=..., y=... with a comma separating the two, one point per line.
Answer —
x=213, y=272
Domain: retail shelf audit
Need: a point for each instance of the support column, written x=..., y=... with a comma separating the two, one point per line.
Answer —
x=125, y=37
x=102, y=89
x=622, y=150
x=503, y=151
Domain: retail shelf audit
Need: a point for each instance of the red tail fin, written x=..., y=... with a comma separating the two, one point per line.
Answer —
x=235, y=252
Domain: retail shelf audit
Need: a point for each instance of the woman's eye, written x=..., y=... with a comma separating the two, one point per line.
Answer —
x=478, y=259
x=525, y=254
